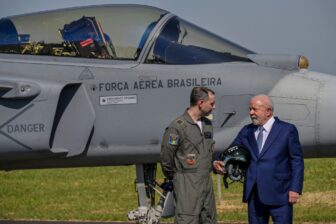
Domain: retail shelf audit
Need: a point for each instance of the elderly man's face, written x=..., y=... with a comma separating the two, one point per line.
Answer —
x=260, y=111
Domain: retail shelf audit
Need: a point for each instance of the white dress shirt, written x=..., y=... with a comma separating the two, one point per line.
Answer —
x=267, y=128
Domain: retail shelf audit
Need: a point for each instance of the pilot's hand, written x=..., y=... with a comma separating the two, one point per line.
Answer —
x=218, y=167
x=167, y=185
x=293, y=197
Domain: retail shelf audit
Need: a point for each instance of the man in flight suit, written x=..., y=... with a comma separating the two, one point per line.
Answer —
x=186, y=156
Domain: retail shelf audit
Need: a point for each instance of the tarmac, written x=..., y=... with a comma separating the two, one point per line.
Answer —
x=59, y=222
x=82, y=222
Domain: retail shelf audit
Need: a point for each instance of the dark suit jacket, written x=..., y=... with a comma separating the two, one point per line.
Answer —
x=279, y=167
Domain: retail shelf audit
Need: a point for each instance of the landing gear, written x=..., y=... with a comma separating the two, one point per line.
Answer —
x=147, y=212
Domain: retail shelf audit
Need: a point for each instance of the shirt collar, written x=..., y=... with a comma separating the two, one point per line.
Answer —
x=268, y=125
x=187, y=117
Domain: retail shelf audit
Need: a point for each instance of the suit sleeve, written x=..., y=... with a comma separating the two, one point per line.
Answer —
x=296, y=161
x=239, y=139
x=169, y=145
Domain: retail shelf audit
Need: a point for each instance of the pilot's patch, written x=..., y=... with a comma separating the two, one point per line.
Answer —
x=207, y=134
x=179, y=121
x=191, y=159
x=173, y=139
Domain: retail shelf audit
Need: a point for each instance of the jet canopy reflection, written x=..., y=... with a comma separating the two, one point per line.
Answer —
x=118, y=32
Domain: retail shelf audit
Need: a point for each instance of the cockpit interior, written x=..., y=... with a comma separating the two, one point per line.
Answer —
x=117, y=33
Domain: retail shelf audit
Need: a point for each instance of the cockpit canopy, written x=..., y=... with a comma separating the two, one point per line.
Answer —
x=118, y=32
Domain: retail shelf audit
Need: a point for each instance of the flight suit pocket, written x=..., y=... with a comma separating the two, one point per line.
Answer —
x=188, y=194
x=189, y=157
x=211, y=145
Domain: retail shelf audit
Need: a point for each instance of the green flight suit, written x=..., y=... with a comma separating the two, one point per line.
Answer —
x=186, y=158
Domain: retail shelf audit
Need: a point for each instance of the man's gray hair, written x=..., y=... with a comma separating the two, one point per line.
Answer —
x=266, y=99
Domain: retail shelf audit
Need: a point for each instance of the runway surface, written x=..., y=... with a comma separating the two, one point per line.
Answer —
x=83, y=222
x=59, y=222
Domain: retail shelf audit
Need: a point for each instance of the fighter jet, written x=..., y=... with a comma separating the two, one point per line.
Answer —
x=97, y=85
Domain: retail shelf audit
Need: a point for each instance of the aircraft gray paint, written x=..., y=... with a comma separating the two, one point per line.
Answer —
x=94, y=86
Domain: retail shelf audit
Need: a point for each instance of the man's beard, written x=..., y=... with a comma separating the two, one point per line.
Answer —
x=255, y=120
x=206, y=113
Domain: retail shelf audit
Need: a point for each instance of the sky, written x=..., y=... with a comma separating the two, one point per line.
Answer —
x=296, y=27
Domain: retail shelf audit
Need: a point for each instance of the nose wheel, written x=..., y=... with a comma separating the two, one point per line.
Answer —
x=146, y=187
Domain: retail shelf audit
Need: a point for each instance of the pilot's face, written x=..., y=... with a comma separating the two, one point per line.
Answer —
x=206, y=106
x=259, y=112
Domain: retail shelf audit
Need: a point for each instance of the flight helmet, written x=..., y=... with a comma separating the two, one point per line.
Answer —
x=236, y=160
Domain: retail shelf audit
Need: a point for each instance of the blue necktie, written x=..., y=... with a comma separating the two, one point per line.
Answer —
x=260, y=138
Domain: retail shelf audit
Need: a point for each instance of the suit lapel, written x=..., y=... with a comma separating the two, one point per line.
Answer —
x=253, y=141
x=275, y=130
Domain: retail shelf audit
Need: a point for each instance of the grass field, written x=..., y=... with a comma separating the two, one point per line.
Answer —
x=108, y=193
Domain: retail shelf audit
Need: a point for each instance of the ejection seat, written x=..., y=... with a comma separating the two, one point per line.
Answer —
x=10, y=40
x=87, y=38
x=170, y=34
x=144, y=38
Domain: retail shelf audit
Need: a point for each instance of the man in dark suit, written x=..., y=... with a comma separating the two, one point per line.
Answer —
x=275, y=174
